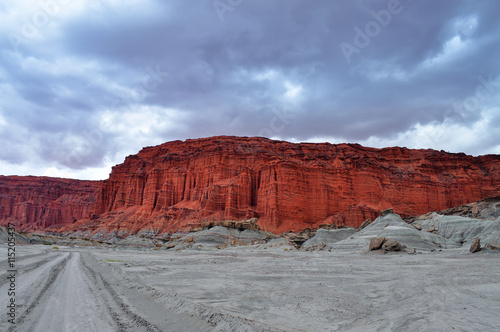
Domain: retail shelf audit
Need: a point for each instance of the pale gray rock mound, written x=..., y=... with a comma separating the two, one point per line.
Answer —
x=488, y=208
x=19, y=238
x=461, y=230
x=278, y=242
x=427, y=233
x=391, y=226
x=218, y=237
x=328, y=237
x=318, y=246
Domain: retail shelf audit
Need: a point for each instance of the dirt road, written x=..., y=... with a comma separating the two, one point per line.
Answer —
x=249, y=289
x=68, y=290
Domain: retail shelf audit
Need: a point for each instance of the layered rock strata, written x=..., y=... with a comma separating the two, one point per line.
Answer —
x=44, y=203
x=184, y=185
x=288, y=187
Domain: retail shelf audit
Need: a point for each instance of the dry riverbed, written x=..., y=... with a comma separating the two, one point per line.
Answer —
x=251, y=289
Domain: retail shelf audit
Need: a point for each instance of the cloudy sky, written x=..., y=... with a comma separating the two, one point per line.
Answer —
x=84, y=83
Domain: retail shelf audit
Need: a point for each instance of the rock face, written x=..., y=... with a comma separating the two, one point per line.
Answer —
x=183, y=185
x=286, y=186
x=42, y=203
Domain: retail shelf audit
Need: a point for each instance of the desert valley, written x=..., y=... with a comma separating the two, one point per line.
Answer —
x=250, y=165
x=250, y=234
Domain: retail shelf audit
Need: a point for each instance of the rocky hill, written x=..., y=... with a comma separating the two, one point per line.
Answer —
x=182, y=185
x=44, y=203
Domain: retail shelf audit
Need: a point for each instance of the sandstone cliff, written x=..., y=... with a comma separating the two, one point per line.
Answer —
x=43, y=203
x=182, y=185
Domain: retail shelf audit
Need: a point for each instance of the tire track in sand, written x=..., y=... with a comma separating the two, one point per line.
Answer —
x=41, y=283
x=71, y=304
x=122, y=315
x=26, y=269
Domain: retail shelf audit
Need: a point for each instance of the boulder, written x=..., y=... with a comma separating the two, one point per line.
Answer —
x=493, y=246
x=376, y=243
x=391, y=245
x=433, y=230
x=476, y=245
x=386, y=211
x=365, y=223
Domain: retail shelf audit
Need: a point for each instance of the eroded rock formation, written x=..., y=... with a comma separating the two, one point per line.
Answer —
x=44, y=203
x=181, y=185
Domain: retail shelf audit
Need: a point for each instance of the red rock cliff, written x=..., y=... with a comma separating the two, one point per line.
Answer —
x=178, y=185
x=43, y=203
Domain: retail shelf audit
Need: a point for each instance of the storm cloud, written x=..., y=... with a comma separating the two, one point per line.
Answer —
x=85, y=83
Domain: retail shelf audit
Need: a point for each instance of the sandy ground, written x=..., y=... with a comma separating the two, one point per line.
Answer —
x=250, y=289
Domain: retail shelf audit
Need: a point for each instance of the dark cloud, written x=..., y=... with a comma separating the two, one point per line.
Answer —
x=147, y=72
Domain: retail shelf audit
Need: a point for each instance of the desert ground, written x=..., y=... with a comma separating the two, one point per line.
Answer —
x=252, y=289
